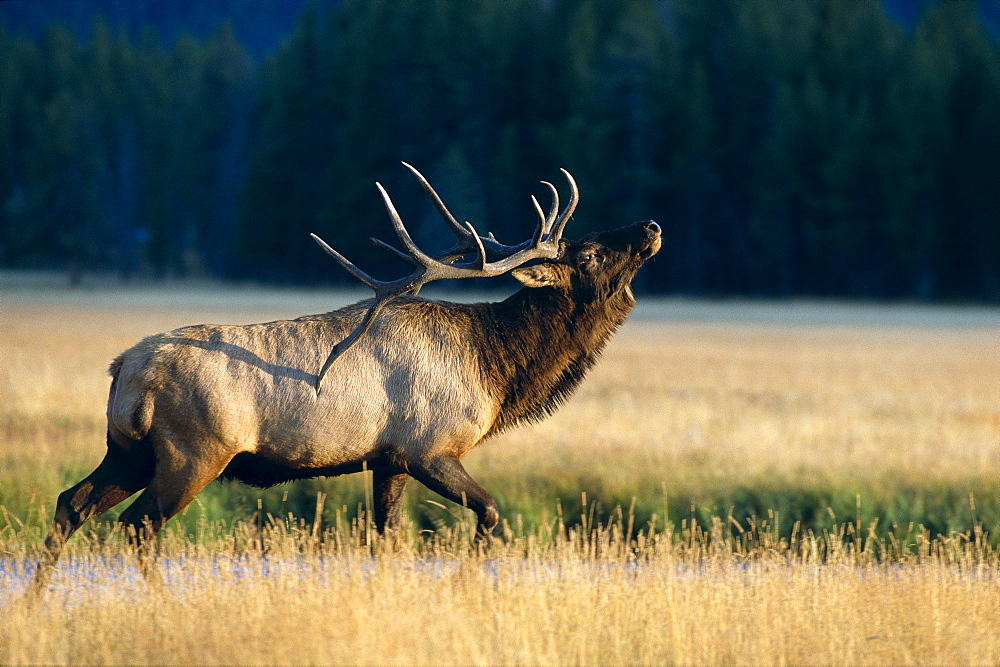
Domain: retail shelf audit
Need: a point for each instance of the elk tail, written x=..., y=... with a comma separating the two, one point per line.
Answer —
x=130, y=406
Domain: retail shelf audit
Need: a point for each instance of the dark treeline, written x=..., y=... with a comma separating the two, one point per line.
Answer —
x=786, y=147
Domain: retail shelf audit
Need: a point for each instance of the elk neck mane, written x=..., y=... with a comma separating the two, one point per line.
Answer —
x=539, y=344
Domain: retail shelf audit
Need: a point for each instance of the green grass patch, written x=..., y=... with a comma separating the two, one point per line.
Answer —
x=888, y=514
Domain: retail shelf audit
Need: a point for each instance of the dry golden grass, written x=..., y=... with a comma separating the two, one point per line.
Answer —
x=585, y=598
x=688, y=397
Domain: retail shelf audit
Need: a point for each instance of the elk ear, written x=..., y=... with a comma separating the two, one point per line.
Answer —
x=539, y=275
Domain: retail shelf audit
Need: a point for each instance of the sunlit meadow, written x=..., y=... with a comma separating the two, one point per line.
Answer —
x=734, y=482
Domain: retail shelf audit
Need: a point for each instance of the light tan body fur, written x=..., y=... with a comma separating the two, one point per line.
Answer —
x=244, y=389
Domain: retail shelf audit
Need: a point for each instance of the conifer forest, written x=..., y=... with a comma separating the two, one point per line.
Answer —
x=808, y=148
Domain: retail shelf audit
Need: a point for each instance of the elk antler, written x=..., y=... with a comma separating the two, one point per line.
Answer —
x=544, y=244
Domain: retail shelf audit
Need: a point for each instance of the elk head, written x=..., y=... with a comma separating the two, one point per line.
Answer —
x=598, y=267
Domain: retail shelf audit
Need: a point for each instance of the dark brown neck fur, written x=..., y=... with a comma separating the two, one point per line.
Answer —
x=539, y=344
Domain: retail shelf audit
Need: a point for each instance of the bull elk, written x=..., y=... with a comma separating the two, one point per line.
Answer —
x=410, y=386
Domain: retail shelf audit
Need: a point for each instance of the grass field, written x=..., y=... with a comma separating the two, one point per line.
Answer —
x=734, y=482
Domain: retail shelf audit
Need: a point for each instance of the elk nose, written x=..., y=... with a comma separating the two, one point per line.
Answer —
x=652, y=226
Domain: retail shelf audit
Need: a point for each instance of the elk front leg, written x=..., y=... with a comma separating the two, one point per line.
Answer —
x=388, y=494
x=445, y=475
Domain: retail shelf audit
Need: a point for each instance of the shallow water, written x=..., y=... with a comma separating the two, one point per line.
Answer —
x=184, y=575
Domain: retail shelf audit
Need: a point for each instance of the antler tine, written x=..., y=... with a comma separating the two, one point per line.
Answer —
x=567, y=213
x=397, y=222
x=479, y=244
x=456, y=228
x=395, y=252
x=553, y=209
x=348, y=265
x=542, y=228
x=359, y=331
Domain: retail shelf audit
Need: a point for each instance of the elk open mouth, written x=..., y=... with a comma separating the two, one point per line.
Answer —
x=653, y=242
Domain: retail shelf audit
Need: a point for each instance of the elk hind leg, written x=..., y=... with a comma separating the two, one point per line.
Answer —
x=177, y=480
x=118, y=476
x=388, y=490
